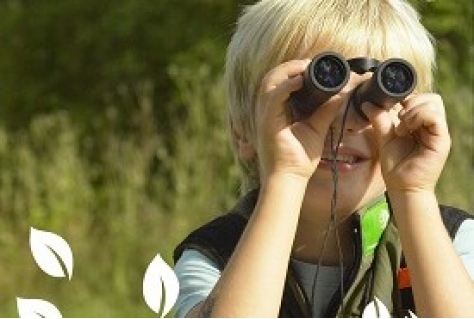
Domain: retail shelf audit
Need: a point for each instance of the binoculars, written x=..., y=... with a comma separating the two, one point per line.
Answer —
x=328, y=73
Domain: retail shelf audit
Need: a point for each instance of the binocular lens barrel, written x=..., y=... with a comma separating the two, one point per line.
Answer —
x=397, y=77
x=328, y=73
x=325, y=76
x=391, y=82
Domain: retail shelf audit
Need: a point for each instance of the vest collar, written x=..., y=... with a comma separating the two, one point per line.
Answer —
x=370, y=223
x=373, y=218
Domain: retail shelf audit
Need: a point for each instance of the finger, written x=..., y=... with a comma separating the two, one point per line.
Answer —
x=283, y=72
x=402, y=130
x=414, y=100
x=381, y=120
x=277, y=86
x=426, y=116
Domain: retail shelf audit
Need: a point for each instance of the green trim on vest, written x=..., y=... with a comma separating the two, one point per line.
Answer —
x=373, y=222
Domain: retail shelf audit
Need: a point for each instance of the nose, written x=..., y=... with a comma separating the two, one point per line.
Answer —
x=348, y=118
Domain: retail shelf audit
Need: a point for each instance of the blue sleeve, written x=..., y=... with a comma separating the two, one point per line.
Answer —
x=464, y=245
x=197, y=276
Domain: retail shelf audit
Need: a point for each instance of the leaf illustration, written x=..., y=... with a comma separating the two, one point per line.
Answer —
x=158, y=277
x=412, y=315
x=48, y=250
x=376, y=309
x=36, y=308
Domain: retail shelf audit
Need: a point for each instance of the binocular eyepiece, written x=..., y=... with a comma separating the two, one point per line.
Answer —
x=329, y=72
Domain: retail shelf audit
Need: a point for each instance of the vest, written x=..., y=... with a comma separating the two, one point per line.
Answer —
x=374, y=272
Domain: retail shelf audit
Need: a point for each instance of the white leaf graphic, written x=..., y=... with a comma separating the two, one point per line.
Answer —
x=46, y=248
x=158, y=276
x=36, y=308
x=376, y=309
x=412, y=315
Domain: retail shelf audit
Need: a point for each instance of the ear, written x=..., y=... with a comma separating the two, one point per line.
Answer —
x=242, y=144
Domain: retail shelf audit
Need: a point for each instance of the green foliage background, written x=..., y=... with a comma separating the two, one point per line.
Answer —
x=112, y=135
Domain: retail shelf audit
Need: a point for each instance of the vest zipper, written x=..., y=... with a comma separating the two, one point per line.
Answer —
x=351, y=274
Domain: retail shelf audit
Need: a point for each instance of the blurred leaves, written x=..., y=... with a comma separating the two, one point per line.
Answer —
x=71, y=54
x=452, y=25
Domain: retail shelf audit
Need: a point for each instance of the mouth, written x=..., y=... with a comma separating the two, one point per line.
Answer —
x=341, y=158
x=345, y=160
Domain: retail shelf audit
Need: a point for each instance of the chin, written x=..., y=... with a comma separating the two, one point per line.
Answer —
x=353, y=192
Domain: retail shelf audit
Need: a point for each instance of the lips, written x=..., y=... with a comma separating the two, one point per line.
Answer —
x=343, y=158
x=347, y=158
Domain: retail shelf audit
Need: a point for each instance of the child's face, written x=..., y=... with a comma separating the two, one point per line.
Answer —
x=359, y=175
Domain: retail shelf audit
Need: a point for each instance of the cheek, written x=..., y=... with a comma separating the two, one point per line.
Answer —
x=371, y=140
x=377, y=173
x=377, y=183
x=371, y=177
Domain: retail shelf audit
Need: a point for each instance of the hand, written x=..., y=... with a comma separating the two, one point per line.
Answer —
x=283, y=145
x=414, y=149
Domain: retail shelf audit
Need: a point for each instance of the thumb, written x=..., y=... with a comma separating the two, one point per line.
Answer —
x=381, y=122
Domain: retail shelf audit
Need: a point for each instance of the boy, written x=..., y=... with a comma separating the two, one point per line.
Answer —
x=317, y=235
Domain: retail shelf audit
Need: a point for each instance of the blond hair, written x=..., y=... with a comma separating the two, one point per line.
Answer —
x=270, y=32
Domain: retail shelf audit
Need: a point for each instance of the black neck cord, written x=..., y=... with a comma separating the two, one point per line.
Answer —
x=332, y=225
